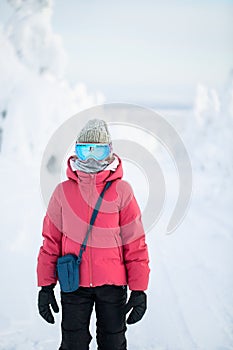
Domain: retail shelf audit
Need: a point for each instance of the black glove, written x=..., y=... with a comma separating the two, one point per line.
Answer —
x=45, y=299
x=137, y=301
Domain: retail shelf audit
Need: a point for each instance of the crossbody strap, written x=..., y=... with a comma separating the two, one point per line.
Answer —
x=93, y=217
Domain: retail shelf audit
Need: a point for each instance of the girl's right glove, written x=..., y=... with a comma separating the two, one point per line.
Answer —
x=46, y=298
x=137, y=301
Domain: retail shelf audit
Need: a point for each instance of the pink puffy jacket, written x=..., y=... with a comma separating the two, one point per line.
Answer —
x=116, y=252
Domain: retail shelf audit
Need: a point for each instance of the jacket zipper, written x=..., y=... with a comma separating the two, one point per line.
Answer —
x=90, y=262
x=64, y=244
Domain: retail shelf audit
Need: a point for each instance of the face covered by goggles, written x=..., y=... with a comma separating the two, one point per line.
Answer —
x=98, y=151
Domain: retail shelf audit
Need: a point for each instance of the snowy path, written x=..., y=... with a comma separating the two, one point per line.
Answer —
x=198, y=269
x=191, y=293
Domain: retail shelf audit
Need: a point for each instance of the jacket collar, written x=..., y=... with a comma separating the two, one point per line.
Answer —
x=100, y=177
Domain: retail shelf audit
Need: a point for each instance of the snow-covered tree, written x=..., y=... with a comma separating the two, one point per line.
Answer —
x=210, y=137
x=35, y=97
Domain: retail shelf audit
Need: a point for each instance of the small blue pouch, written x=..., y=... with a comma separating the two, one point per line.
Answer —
x=68, y=272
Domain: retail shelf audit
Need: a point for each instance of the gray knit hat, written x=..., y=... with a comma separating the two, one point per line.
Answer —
x=95, y=130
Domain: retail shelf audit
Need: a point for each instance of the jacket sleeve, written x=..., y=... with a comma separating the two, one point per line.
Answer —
x=51, y=247
x=135, y=250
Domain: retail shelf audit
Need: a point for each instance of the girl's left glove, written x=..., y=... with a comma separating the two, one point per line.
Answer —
x=137, y=301
x=45, y=299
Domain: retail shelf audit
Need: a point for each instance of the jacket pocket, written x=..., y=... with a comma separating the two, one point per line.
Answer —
x=119, y=247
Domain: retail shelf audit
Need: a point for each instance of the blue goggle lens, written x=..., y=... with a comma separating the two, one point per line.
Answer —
x=95, y=150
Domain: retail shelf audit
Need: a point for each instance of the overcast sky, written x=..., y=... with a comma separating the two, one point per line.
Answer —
x=146, y=51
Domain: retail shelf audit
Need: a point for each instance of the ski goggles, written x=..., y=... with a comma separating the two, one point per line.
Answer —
x=98, y=151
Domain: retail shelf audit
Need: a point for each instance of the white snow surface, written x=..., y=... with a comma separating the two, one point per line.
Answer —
x=190, y=294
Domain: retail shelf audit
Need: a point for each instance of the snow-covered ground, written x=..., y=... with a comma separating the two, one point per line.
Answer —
x=190, y=295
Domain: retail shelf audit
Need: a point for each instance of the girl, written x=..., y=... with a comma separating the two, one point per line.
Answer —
x=116, y=256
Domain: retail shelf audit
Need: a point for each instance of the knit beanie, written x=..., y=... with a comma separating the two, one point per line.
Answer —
x=95, y=131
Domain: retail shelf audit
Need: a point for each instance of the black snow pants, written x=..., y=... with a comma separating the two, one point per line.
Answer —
x=109, y=301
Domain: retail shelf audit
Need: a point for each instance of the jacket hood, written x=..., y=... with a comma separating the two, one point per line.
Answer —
x=100, y=177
